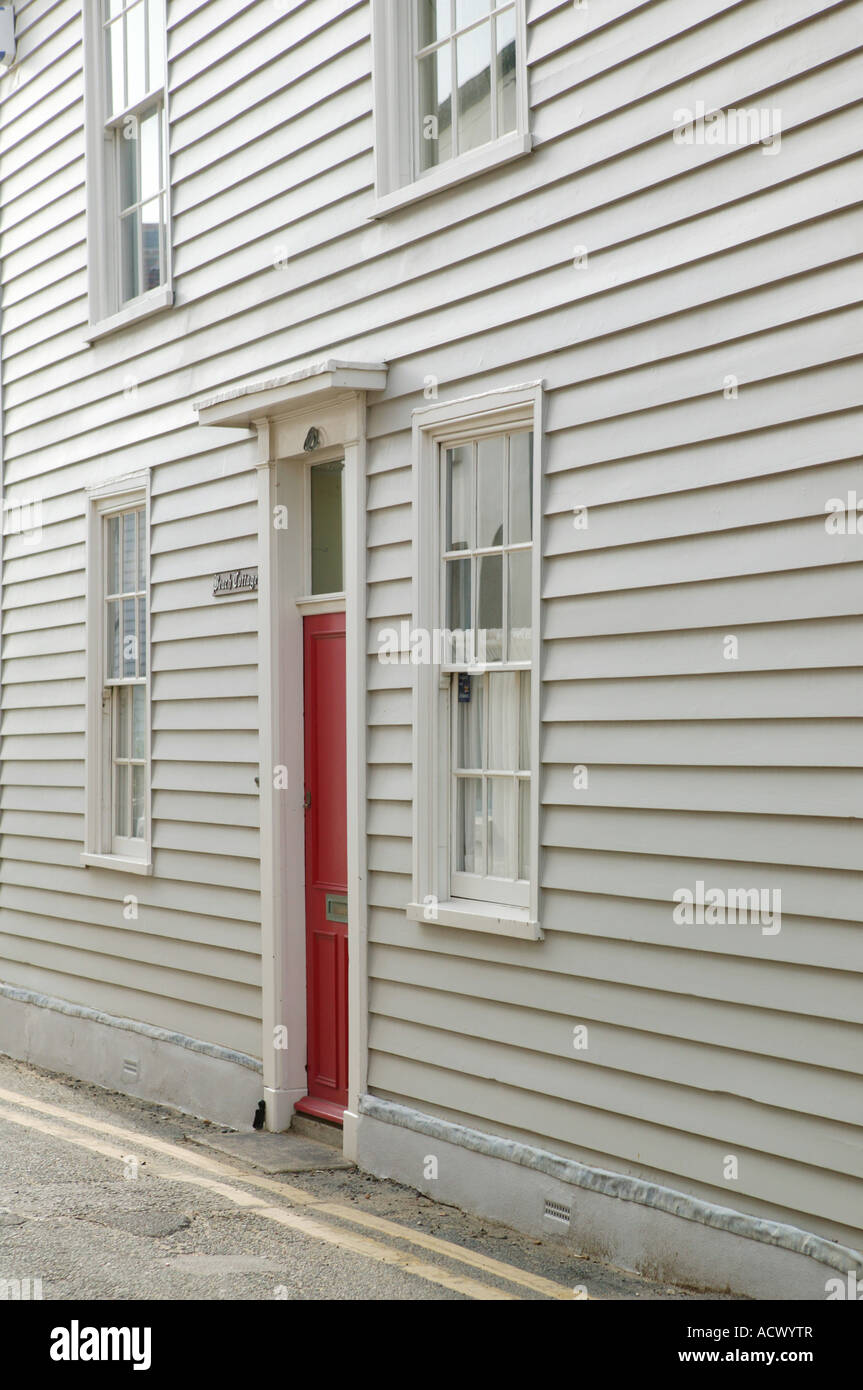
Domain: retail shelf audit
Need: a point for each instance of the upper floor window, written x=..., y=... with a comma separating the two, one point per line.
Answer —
x=465, y=77
x=135, y=127
x=127, y=180
x=450, y=92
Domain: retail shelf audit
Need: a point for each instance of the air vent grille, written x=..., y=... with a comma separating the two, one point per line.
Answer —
x=556, y=1211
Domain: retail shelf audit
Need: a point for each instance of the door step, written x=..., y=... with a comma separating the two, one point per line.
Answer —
x=318, y=1109
x=323, y=1131
x=275, y=1153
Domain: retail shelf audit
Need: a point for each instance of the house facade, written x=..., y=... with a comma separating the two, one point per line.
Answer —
x=430, y=605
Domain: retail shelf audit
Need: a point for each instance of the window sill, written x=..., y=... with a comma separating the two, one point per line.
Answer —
x=151, y=303
x=468, y=166
x=477, y=916
x=116, y=862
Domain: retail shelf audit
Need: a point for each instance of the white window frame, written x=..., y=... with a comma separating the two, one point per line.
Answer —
x=100, y=846
x=504, y=411
x=106, y=313
x=397, y=181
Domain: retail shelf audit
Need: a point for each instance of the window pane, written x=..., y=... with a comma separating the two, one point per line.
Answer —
x=139, y=813
x=326, y=505
x=156, y=74
x=127, y=158
x=129, y=552
x=121, y=727
x=489, y=491
x=121, y=799
x=502, y=721
x=142, y=637
x=519, y=644
x=142, y=551
x=473, y=67
x=148, y=140
x=434, y=94
x=524, y=829
x=112, y=662
x=469, y=825
x=139, y=721
x=151, y=219
x=501, y=827
x=130, y=272
x=524, y=722
x=489, y=617
x=114, y=61
x=458, y=596
x=434, y=19
x=136, y=53
x=520, y=487
x=130, y=645
x=466, y=11
x=113, y=528
x=505, y=72
x=458, y=491
x=469, y=717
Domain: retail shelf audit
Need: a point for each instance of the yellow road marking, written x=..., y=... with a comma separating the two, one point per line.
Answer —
x=297, y=1196
x=347, y=1240
x=474, y=1258
x=298, y=1221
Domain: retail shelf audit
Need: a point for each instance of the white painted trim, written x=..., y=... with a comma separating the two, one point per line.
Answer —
x=396, y=181
x=448, y=421
x=281, y=606
x=478, y=916
x=115, y=495
x=355, y=554
x=331, y=396
x=121, y=487
x=282, y=822
x=142, y=308
x=536, y=650
x=272, y=973
x=321, y=603
x=117, y=862
x=467, y=166
x=286, y=392
x=391, y=88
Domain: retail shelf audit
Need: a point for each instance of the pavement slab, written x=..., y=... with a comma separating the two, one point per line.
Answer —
x=275, y=1153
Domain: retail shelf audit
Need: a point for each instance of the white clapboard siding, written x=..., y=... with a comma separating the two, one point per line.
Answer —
x=706, y=519
x=635, y=681
x=191, y=961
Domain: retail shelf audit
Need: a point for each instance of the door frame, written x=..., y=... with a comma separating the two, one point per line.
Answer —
x=282, y=477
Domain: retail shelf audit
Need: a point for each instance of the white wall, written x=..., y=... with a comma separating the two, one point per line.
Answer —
x=707, y=519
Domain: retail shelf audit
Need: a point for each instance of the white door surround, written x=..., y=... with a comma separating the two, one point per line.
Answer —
x=329, y=397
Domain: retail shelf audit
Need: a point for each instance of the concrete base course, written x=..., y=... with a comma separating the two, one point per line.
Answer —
x=150, y=1063
x=696, y=1250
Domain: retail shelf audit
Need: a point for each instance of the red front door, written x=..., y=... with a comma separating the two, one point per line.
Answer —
x=326, y=866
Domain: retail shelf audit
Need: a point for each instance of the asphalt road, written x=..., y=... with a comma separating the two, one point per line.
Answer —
x=106, y=1198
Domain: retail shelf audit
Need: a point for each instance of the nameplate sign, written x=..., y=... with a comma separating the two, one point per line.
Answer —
x=235, y=582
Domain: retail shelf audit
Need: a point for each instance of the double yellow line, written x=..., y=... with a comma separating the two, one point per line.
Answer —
x=229, y=1183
